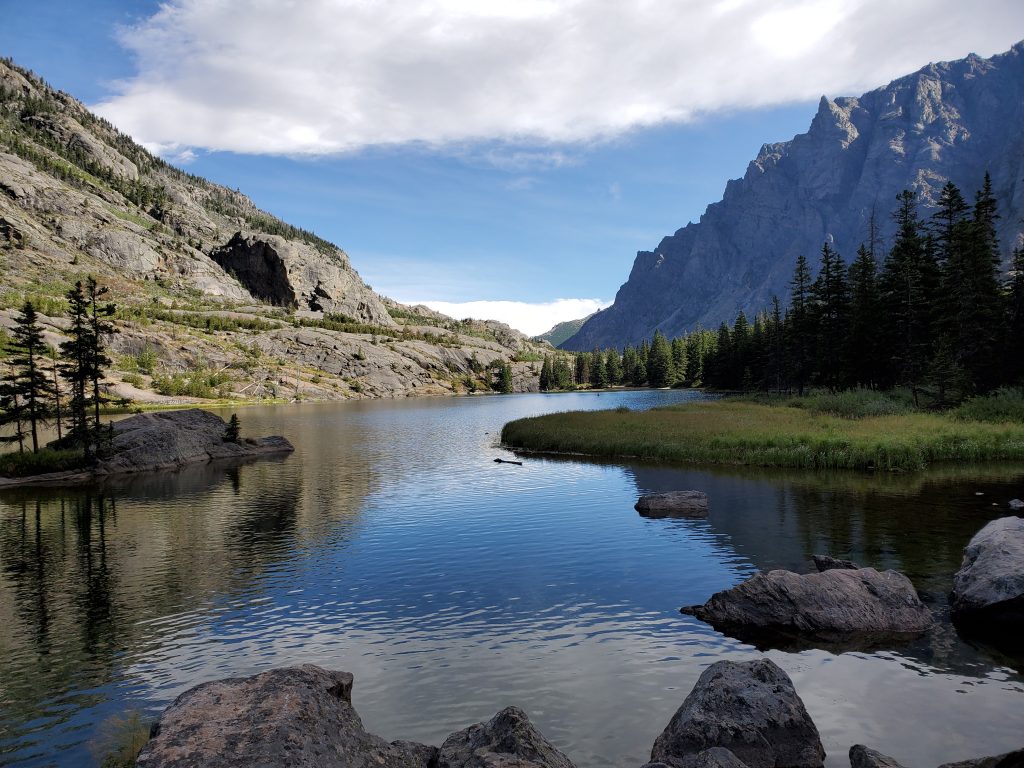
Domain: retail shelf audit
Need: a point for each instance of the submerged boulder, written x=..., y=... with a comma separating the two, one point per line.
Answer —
x=507, y=740
x=863, y=757
x=825, y=605
x=673, y=504
x=748, y=708
x=988, y=590
x=301, y=717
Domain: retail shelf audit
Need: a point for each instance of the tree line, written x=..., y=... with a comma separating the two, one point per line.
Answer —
x=41, y=385
x=932, y=314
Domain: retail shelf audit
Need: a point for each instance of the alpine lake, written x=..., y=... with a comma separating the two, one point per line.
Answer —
x=391, y=545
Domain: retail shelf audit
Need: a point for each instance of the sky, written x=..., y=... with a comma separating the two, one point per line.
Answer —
x=490, y=158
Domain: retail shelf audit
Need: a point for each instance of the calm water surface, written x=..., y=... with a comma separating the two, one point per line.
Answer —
x=391, y=545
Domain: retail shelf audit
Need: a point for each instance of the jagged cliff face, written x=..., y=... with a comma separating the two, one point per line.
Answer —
x=950, y=121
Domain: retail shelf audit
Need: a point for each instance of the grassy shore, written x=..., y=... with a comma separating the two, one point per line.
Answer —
x=742, y=432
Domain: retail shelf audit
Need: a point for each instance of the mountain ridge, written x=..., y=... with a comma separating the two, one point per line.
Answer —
x=947, y=121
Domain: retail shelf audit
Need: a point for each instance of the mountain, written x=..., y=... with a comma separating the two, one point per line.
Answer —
x=948, y=121
x=209, y=288
x=562, y=332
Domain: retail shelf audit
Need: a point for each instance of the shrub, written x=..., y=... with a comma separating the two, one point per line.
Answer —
x=1003, y=405
x=134, y=379
x=47, y=460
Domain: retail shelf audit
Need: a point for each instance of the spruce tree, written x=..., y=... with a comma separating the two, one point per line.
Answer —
x=598, y=370
x=830, y=303
x=1015, y=319
x=613, y=366
x=659, y=362
x=545, y=374
x=31, y=380
x=865, y=321
x=800, y=332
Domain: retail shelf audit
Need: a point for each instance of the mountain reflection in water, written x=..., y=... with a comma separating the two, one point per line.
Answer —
x=392, y=546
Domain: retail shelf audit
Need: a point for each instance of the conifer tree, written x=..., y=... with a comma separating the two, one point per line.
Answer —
x=545, y=374
x=865, y=321
x=830, y=304
x=1015, y=320
x=659, y=362
x=800, y=331
x=31, y=380
x=613, y=365
x=629, y=363
x=504, y=383
x=598, y=370
x=679, y=361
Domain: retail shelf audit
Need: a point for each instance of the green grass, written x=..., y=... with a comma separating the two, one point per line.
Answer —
x=737, y=432
x=1004, y=405
x=25, y=464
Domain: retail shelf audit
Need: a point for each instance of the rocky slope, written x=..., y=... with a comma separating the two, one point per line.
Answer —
x=208, y=286
x=948, y=121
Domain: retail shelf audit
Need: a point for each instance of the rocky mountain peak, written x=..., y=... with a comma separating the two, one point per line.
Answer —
x=950, y=121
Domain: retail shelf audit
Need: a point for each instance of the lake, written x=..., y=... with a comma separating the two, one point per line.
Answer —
x=391, y=545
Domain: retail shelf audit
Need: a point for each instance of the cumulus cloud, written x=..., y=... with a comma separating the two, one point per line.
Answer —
x=330, y=76
x=531, y=319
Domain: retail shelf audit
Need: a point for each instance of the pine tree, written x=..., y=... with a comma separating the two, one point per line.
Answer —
x=31, y=380
x=504, y=384
x=776, y=347
x=800, y=332
x=629, y=363
x=830, y=304
x=561, y=373
x=865, y=322
x=545, y=374
x=233, y=431
x=1015, y=319
x=12, y=411
x=679, y=361
x=598, y=370
x=613, y=366
x=659, y=362
x=582, y=369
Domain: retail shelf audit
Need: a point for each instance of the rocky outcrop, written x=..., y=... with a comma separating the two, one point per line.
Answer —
x=829, y=563
x=988, y=590
x=950, y=121
x=716, y=757
x=507, y=740
x=686, y=504
x=298, y=276
x=749, y=708
x=827, y=605
x=301, y=717
x=863, y=757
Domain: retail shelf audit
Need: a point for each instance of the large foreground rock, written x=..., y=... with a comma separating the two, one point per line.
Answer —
x=297, y=717
x=171, y=439
x=507, y=740
x=673, y=504
x=863, y=757
x=826, y=605
x=749, y=708
x=828, y=563
x=988, y=590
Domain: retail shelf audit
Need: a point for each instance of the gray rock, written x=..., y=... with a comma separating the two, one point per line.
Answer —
x=1013, y=759
x=507, y=740
x=673, y=504
x=829, y=563
x=1016, y=504
x=171, y=439
x=988, y=590
x=301, y=717
x=948, y=121
x=298, y=276
x=827, y=604
x=863, y=757
x=749, y=708
x=716, y=757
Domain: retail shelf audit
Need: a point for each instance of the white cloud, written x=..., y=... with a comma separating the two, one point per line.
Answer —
x=328, y=76
x=531, y=319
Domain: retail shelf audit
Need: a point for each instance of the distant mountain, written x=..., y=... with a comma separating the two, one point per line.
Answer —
x=206, y=283
x=562, y=332
x=948, y=121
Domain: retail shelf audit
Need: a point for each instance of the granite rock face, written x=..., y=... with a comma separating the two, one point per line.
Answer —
x=948, y=121
x=988, y=590
x=300, y=717
x=673, y=504
x=748, y=708
x=827, y=604
x=298, y=276
x=507, y=740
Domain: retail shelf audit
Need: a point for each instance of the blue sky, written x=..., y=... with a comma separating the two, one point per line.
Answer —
x=483, y=150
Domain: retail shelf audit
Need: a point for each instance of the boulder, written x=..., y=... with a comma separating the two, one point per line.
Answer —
x=673, y=504
x=716, y=757
x=171, y=439
x=828, y=563
x=863, y=757
x=827, y=605
x=748, y=708
x=1016, y=504
x=297, y=717
x=507, y=740
x=988, y=590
